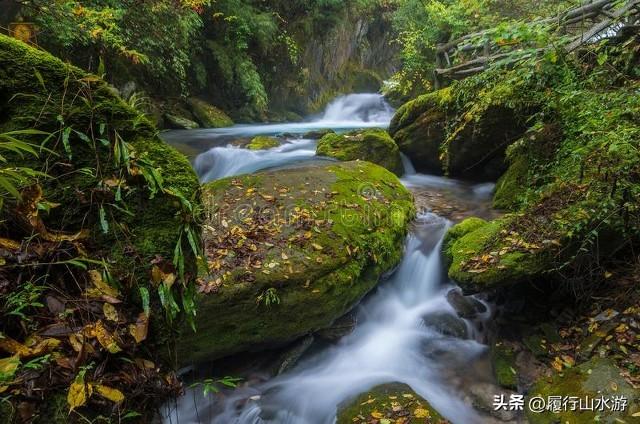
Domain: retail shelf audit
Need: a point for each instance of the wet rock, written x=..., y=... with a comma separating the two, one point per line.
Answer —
x=317, y=134
x=263, y=143
x=208, y=115
x=179, y=122
x=393, y=402
x=369, y=145
x=343, y=326
x=482, y=396
x=503, y=360
x=446, y=324
x=273, y=283
x=466, y=307
x=291, y=356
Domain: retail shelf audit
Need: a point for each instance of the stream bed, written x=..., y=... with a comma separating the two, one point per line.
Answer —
x=406, y=330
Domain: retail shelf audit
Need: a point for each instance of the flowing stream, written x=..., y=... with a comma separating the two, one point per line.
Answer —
x=407, y=330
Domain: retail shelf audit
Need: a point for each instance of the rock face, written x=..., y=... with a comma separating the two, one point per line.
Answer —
x=428, y=127
x=292, y=250
x=208, y=115
x=180, y=122
x=390, y=402
x=370, y=145
x=85, y=103
x=596, y=379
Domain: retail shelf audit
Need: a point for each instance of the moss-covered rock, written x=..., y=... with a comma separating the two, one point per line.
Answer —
x=177, y=122
x=390, y=402
x=439, y=133
x=503, y=359
x=317, y=134
x=292, y=250
x=485, y=256
x=370, y=145
x=208, y=115
x=263, y=142
x=589, y=382
x=40, y=91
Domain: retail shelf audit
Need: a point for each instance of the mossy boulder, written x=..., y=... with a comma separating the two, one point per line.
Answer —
x=503, y=359
x=39, y=91
x=487, y=255
x=292, y=250
x=439, y=134
x=263, y=142
x=390, y=402
x=178, y=122
x=588, y=382
x=208, y=115
x=374, y=146
x=317, y=134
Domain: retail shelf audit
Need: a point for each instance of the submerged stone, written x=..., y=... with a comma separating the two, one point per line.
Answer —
x=263, y=143
x=369, y=145
x=291, y=250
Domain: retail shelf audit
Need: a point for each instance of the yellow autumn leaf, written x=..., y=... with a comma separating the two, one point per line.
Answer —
x=114, y=395
x=110, y=312
x=316, y=246
x=77, y=395
x=100, y=287
x=105, y=338
x=421, y=413
x=377, y=415
x=8, y=367
x=139, y=330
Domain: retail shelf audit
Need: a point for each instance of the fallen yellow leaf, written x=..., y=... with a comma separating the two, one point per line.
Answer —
x=114, y=395
x=77, y=395
x=421, y=413
x=110, y=312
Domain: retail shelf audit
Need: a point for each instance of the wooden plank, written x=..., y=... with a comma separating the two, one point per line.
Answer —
x=601, y=26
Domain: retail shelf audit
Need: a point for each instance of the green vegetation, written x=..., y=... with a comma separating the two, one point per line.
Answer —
x=371, y=145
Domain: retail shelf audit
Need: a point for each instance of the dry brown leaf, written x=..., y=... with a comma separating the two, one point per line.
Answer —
x=139, y=330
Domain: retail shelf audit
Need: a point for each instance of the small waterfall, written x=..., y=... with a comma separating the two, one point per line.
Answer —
x=391, y=343
x=358, y=108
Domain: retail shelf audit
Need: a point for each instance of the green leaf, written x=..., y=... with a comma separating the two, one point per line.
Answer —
x=144, y=295
x=103, y=221
x=65, y=141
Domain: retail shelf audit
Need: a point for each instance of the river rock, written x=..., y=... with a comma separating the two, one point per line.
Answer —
x=152, y=226
x=447, y=324
x=263, y=142
x=317, y=134
x=392, y=402
x=369, y=145
x=341, y=327
x=291, y=250
x=422, y=126
x=208, y=115
x=180, y=122
x=598, y=378
x=466, y=307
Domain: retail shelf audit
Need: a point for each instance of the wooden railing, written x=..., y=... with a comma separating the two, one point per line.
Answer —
x=474, y=53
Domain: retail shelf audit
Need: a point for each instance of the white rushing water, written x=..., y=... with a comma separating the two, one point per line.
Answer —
x=399, y=335
x=391, y=343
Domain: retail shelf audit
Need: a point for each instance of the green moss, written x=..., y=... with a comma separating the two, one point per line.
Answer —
x=454, y=233
x=180, y=122
x=319, y=267
x=263, y=143
x=483, y=259
x=509, y=186
x=594, y=379
x=86, y=103
x=374, y=146
x=208, y=115
x=388, y=401
x=503, y=359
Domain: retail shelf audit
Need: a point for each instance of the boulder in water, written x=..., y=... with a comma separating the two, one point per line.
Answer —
x=370, y=145
x=392, y=402
x=466, y=307
x=263, y=143
x=438, y=134
x=317, y=134
x=291, y=250
x=208, y=115
x=446, y=324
